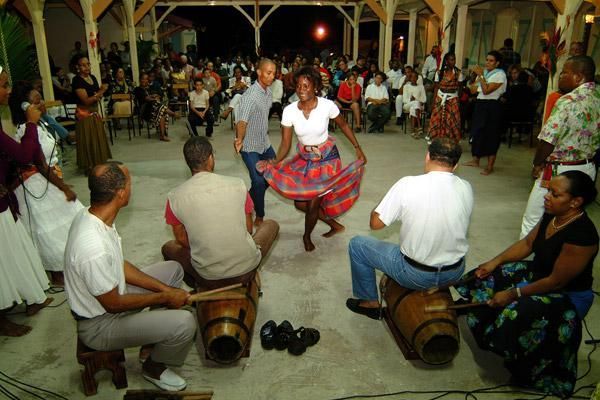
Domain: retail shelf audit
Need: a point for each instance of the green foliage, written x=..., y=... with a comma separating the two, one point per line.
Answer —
x=17, y=51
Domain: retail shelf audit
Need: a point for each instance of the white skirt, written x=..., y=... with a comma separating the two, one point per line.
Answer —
x=47, y=216
x=22, y=276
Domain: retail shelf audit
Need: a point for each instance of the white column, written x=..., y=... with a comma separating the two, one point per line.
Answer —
x=381, y=43
x=129, y=6
x=412, y=37
x=356, y=33
x=461, y=29
x=36, y=10
x=389, y=32
x=154, y=30
x=91, y=34
x=449, y=7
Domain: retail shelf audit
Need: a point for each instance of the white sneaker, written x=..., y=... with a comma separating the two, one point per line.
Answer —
x=169, y=381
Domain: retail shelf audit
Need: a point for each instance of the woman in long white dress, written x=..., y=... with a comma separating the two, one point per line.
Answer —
x=46, y=203
x=22, y=276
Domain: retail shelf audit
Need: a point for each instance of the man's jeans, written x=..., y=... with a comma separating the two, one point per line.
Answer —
x=368, y=254
x=259, y=184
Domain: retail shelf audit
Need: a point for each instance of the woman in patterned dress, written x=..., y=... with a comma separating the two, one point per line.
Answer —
x=536, y=307
x=445, y=115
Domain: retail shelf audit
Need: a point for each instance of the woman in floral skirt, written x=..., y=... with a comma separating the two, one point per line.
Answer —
x=535, y=308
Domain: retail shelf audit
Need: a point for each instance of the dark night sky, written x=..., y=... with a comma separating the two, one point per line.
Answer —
x=287, y=28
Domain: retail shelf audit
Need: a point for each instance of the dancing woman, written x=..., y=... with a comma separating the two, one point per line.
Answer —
x=313, y=178
x=445, y=115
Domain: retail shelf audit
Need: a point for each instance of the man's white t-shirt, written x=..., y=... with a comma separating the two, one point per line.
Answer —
x=94, y=264
x=434, y=210
x=314, y=130
x=376, y=92
x=495, y=76
x=199, y=100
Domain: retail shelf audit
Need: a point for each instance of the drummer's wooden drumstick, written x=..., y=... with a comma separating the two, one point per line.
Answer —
x=217, y=296
x=219, y=290
x=459, y=282
x=444, y=307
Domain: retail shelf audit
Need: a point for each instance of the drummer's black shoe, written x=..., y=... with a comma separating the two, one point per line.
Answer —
x=354, y=306
x=285, y=330
x=267, y=334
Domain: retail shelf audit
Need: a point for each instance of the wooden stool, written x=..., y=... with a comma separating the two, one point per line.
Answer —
x=93, y=361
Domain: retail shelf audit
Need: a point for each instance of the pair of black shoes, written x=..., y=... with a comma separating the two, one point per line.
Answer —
x=283, y=336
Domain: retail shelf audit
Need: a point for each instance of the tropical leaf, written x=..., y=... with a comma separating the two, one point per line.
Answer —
x=17, y=51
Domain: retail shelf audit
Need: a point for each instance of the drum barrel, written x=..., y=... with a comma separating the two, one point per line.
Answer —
x=433, y=335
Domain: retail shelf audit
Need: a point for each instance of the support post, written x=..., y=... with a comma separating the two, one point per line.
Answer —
x=91, y=36
x=389, y=31
x=381, y=43
x=461, y=30
x=36, y=10
x=412, y=37
x=154, y=30
x=356, y=33
x=129, y=6
x=449, y=7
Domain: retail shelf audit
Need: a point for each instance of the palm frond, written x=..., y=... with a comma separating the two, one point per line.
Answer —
x=17, y=51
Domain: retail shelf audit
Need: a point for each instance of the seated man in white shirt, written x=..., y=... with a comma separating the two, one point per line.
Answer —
x=414, y=98
x=403, y=81
x=434, y=210
x=106, y=293
x=378, y=104
x=199, y=105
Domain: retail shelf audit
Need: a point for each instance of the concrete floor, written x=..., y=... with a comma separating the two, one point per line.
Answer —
x=356, y=355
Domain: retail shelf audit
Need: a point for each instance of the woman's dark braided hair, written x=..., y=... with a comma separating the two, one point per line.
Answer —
x=443, y=67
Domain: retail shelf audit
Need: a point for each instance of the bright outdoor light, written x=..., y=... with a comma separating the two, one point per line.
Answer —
x=320, y=32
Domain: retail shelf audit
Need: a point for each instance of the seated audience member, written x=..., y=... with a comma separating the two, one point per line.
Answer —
x=520, y=100
x=348, y=96
x=106, y=293
x=215, y=248
x=341, y=73
x=403, y=81
x=216, y=99
x=378, y=104
x=213, y=87
x=277, y=92
x=62, y=86
x=114, y=56
x=289, y=87
x=394, y=75
x=151, y=109
x=120, y=85
x=414, y=99
x=536, y=307
x=429, y=254
x=237, y=86
x=199, y=105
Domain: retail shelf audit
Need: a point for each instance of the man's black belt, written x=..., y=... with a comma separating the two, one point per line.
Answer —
x=78, y=317
x=427, y=268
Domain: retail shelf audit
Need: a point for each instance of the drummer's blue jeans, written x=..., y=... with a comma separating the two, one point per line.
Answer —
x=368, y=254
